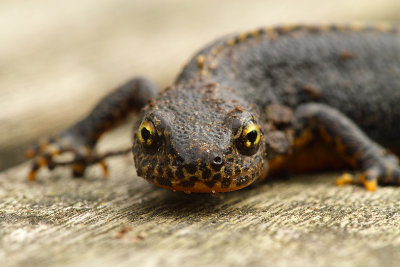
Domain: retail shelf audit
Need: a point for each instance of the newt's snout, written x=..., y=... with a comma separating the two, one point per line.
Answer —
x=205, y=174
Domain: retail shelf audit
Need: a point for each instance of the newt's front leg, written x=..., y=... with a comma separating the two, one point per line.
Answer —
x=81, y=138
x=373, y=163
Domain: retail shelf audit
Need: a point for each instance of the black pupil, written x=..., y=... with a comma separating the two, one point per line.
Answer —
x=145, y=134
x=252, y=136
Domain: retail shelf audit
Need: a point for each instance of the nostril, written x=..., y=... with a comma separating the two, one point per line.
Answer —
x=217, y=160
x=217, y=163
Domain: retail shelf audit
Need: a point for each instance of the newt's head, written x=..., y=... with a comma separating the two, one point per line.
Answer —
x=198, y=140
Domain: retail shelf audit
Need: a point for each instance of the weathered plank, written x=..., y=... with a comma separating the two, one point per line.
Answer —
x=303, y=221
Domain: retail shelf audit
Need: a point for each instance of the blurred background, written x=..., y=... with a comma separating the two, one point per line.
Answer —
x=58, y=57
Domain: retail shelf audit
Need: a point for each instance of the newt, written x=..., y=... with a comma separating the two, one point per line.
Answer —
x=272, y=100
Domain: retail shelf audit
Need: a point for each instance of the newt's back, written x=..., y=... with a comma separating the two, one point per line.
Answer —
x=353, y=69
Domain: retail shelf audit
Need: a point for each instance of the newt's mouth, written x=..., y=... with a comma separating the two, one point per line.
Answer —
x=224, y=185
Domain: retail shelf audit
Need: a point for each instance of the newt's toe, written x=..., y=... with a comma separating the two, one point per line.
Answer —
x=38, y=163
x=345, y=179
x=32, y=175
x=78, y=169
x=370, y=185
x=104, y=167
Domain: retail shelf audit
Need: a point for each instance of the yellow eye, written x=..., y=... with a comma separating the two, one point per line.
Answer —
x=147, y=133
x=251, y=135
x=249, y=139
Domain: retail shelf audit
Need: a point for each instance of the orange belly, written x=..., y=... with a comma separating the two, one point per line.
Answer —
x=314, y=157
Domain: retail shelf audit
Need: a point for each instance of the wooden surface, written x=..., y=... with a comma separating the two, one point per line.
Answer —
x=57, y=59
x=124, y=221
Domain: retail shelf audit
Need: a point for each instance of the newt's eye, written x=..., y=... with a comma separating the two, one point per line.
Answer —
x=250, y=138
x=251, y=135
x=147, y=133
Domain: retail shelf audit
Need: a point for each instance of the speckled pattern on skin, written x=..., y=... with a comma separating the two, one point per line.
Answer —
x=255, y=101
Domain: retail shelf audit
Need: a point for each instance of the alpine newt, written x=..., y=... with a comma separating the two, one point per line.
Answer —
x=280, y=99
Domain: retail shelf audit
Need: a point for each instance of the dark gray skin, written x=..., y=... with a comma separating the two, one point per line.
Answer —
x=357, y=73
x=338, y=85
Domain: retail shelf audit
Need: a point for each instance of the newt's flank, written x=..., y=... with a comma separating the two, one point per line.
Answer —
x=283, y=99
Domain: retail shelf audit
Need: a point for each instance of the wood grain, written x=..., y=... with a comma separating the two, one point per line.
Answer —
x=124, y=221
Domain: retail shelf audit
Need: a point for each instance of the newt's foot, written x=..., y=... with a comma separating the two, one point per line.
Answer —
x=347, y=178
x=46, y=151
x=385, y=172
